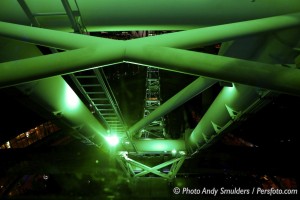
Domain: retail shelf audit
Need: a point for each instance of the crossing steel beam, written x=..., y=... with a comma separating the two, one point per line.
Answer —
x=182, y=39
x=267, y=76
x=128, y=164
x=102, y=52
x=112, y=51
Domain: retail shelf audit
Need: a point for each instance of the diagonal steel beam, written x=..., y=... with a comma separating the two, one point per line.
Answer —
x=157, y=167
x=29, y=14
x=51, y=38
x=64, y=104
x=183, y=39
x=175, y=167
x=271, y=77
x=146, y=168
x=64, y=40
x=239, y=98
x=71, y=16
x=21, y=71
x=220, y=33
x=251, y=73
x=196, y=87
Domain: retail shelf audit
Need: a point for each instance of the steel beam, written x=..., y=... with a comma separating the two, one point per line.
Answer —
x=176, y=166
x=20, y=71
x=51, y=38
x=216, y=34
x=146, y=168
x=196, y=87
x=183, y=39
x=157, y=167
x=104, y=15
x=175, y=162
x=159, y=145
x=271, y=77
x=108, y=47
x=229, y=105
x=71, y=16
x=176, y=15
x=29, y=14
x=57, y=97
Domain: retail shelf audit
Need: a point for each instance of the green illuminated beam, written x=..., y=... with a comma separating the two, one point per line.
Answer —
x=51, y=38
x=157, y=167
x=57, y=97
x=229, y=105
x=235, y=70
x=216, y=34
x=196, y=87
x=175, y=167
x=183, y=39
x=146, y=168
x=176, y=15
x=20, y=71
x=159, y=146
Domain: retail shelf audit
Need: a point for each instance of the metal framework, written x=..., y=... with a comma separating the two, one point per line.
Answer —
x=253, y=79
x=91, y=83
x=155, y=129
x=135, y=169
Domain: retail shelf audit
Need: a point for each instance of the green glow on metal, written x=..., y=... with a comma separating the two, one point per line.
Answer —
x=112, y=140
x=229, y=91
x=159, y=146
x=223, y=68
x=71, y=99
x=238, y=98
x=174, y=151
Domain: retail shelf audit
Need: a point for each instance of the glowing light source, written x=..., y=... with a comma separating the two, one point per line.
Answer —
x=72, y=99
x=174, y=151
x=112, y=140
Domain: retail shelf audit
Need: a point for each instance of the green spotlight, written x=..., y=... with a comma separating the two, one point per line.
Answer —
x=112, y=140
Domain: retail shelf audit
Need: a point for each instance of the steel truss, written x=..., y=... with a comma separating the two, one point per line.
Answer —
x=166, y=52
x=156, y=129
x=135, y=169
x=93, y=84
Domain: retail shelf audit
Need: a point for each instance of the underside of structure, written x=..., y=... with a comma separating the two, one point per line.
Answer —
x=112, y=99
